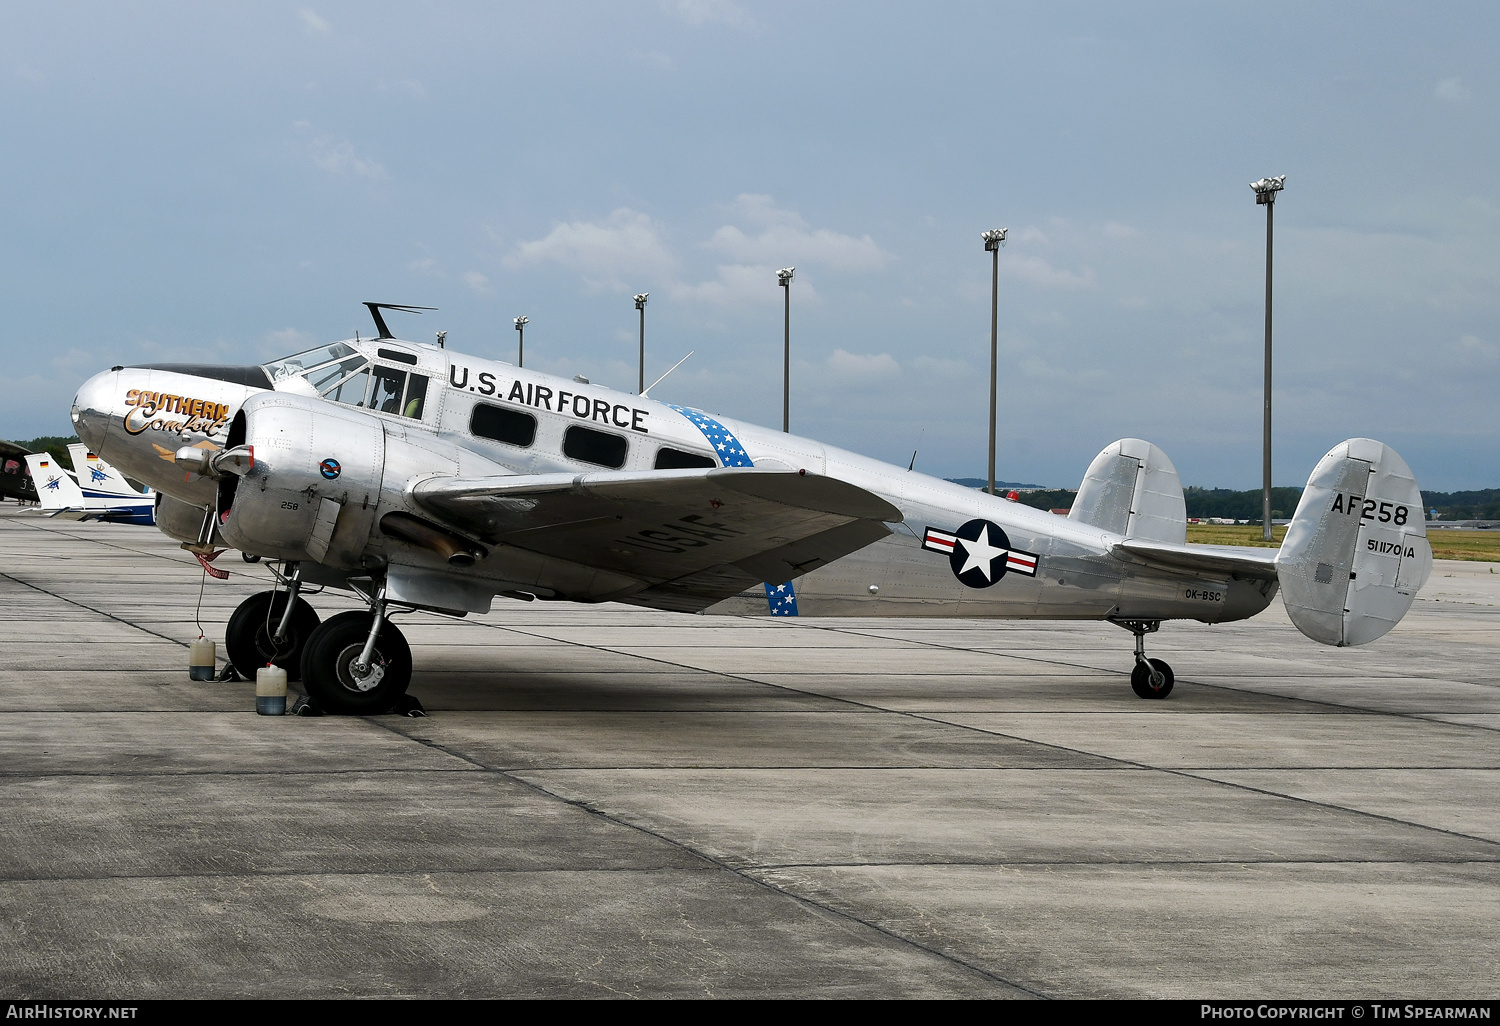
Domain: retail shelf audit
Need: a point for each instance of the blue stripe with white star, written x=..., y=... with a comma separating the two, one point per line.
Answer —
x=782, y=598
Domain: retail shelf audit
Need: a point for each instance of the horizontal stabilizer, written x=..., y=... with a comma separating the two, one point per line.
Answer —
x=1242, y=561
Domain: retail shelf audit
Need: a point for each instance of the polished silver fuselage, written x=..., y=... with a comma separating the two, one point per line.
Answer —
x=139, y=418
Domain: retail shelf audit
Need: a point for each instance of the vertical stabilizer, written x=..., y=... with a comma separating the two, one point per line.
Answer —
x=1132, y=489
x=97, y=478
x=1356, y=552
x=54, y=486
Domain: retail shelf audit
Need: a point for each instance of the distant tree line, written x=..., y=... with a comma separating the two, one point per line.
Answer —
x=1483, y=504
x=54, y=445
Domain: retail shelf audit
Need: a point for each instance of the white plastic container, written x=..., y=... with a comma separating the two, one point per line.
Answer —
x=201, y=660
x=270, y=691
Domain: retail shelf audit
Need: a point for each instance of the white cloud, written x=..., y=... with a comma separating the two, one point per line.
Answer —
x=312, y=22
x=784, y=240
x=1038, y=272
x=941, y=367
x=860, y=366
x=739, y=285
x=708, y=12
x=653, y=59
x=1474, y=346
x=1453, y=90
x=625, y=243
x=410, y=86
x=336, y=155
x=478, y=282
x=285, y=342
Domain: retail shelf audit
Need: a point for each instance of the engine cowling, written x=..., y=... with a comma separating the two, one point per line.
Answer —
x=313, y=488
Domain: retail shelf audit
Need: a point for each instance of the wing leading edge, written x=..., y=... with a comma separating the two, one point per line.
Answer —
x=689, y=537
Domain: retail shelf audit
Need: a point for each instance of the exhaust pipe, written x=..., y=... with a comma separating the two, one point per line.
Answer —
x=458, y=552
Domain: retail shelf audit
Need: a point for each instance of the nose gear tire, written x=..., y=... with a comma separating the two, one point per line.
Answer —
x=327, y=671
x=247, y=638
x=1140, y=680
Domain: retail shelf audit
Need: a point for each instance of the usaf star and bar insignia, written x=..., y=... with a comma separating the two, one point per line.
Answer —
x=979, y=553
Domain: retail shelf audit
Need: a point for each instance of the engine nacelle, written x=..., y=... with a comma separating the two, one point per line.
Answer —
x=178, y=520
x=313, y=488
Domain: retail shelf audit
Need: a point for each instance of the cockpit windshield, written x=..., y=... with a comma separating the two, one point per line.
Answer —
x=285, y=368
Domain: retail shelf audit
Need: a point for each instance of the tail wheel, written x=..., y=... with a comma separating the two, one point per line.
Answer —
x=1141, y=679
x=247, y=638
x=328, y=670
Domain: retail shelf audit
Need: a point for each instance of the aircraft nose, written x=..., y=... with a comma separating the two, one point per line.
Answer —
x=93, y=405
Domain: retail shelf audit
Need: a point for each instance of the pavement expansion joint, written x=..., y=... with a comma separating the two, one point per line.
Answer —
x=749, y=877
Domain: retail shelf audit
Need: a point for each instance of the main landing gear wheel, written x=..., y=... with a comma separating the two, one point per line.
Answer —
x=248, y=638
x=1151, y=678
x=331, y=674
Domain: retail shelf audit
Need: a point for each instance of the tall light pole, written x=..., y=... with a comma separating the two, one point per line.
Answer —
x=1265, y=195
x=993, y=240
x=784, y=279
x=640, y=304
x=521, y=323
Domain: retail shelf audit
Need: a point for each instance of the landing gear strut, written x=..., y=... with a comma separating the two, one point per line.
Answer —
x=271, y=627
x=1151, y=678
x=357, y=663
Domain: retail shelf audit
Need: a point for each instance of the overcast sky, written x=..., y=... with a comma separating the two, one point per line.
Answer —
x=228, y=182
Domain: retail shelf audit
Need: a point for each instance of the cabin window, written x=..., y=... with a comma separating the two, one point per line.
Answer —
x=675, y=459
x=386, y=395
x=598, y=447
x=501, y=425
x=416, y=397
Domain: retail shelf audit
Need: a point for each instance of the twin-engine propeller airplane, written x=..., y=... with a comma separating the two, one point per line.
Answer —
x=422, y=479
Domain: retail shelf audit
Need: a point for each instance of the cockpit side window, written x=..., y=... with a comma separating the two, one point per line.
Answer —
x=350, y=391
x=285, y=368
x=322, y=377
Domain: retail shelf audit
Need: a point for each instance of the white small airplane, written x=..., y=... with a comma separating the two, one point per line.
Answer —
x=419, y=478
x=62, y=496
x=97, y=479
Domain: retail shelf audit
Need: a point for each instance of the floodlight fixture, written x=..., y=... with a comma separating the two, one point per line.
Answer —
x=993, y=239
x=640, y=300
x=1267, y=188
x=784, y=276
x=521, y=323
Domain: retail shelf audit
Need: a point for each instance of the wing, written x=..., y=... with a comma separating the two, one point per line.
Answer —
x=1202, y=559
x=689, y=537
